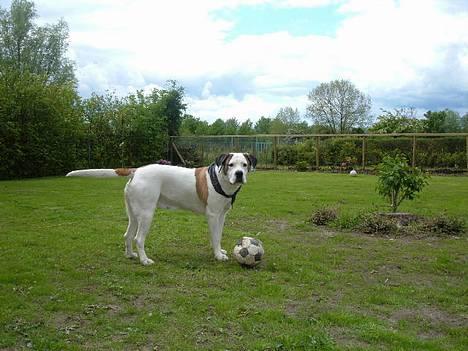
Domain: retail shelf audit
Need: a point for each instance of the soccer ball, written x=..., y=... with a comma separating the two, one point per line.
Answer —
x=353, y=173
x=248, y=251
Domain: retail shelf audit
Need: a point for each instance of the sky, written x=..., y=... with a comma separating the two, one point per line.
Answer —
x=249, y=58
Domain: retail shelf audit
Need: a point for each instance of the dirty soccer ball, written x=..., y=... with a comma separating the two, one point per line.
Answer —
x=248, y=251
x=353, y=173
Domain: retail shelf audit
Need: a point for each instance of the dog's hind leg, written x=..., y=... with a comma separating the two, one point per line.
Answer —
x=144, y=224
x=141, y=205
x=131, y=229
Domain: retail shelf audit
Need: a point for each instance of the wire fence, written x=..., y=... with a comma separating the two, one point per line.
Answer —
x=439, y=152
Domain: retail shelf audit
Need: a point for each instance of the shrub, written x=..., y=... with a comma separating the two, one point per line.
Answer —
x=373, y=223
x=397, y=181
x=301, y=166
x=287, y=154
x=444, y=225
x=323, y=216
x=335, y=151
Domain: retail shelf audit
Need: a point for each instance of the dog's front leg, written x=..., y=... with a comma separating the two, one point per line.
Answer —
x=216, y=224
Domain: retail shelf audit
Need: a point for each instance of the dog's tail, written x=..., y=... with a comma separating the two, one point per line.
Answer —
x=103, y=173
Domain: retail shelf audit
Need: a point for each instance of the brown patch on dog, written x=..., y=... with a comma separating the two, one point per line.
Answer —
x=124, y=172
x=201, y=184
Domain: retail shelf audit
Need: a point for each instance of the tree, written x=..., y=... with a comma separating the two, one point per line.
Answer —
x=171, y=105
x=263, y=125
x=289, y=121
x=446, y=121
x=27, y=47
x=434, y=122
x=40, y=114
x=218, y=127
x=464, y=123
x=397, y=181
x=193, y=126
x=339, y=105
x=41, y=126
x=231, y=126
x=401, y=120
x=278, y=126
x=130, y=131
x=289, y=116
x=246, y=128
x=452, y=122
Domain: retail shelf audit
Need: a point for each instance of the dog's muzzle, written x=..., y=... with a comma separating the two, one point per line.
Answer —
x=239, y=176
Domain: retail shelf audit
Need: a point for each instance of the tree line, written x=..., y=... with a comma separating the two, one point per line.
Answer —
x=399, y=120
x=47, y=128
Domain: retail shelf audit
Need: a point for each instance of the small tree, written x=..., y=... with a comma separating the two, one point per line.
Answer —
x=398, y=181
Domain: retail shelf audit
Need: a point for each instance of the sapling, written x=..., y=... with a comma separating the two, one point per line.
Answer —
x=398, y=181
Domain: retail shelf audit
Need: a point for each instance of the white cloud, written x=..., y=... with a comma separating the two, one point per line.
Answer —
x=397, y=51
x=249, y=107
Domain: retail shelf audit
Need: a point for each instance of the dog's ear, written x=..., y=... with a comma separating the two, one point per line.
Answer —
x=222, y=160
x=252, y=161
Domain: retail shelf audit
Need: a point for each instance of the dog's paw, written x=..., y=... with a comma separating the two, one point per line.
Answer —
x=131, y=255
x=221, y=256
x=146, y=261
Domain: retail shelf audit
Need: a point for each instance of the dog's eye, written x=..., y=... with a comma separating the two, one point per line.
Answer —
x=231, y=165
x=244, y=165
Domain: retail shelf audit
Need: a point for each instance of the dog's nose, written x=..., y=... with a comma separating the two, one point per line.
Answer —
x=239, y=175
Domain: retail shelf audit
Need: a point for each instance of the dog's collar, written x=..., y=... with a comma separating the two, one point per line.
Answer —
x=217, y=185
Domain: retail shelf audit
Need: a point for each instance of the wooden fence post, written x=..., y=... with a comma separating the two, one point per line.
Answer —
x=413, y=161
x=317, y=153
x=275, y=152
x=363, y=157
x=171, y=150
x=467, y=152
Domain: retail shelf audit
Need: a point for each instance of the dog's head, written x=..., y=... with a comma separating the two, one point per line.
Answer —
x=235, y=166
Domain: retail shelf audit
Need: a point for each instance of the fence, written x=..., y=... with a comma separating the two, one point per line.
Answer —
x=436, y=151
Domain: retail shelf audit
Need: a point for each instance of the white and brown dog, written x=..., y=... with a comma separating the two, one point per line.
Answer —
x=207, y=190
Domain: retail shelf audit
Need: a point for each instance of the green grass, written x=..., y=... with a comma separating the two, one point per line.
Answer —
x=66, y=285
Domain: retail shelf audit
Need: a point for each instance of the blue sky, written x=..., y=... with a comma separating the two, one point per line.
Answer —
x=266, y=18
x=249, y=58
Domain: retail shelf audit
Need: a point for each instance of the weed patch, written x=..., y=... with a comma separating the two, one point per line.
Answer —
x=443, y=225
x=394, y=224
x=324, y=216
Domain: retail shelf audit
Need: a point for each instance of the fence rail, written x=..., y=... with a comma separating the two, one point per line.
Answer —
x=428, y=150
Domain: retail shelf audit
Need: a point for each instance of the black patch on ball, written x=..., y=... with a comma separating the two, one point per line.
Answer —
x=254, y=242
x=239, y=242
x=243, y=252
x=258, y=257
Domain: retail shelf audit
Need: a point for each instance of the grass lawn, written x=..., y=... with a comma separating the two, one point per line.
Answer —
x=66, y=285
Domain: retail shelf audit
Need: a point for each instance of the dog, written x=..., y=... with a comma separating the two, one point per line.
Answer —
x=207, y=190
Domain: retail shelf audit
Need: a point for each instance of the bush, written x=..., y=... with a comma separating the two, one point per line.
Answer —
x=390, y=224
x=444, y=225
x=373, y=223
x=287, y=155
x=301, y=166
x=335, y=151
x=323, y=216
